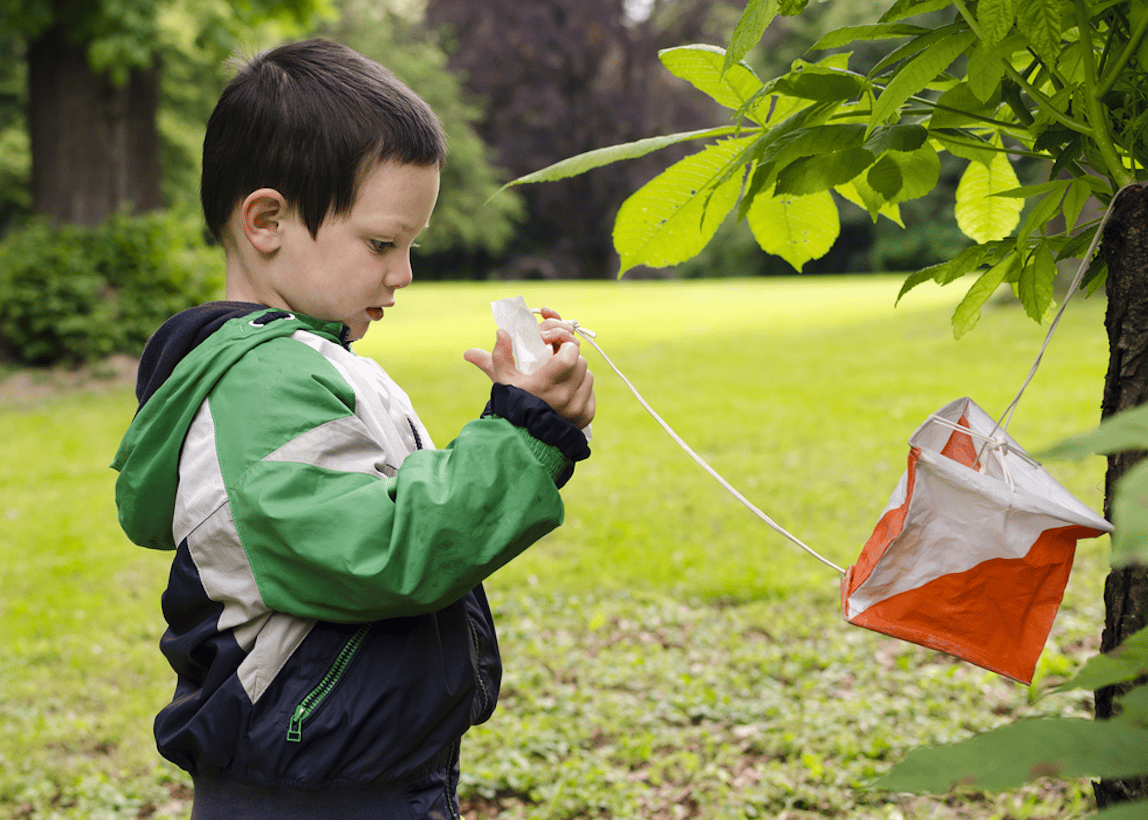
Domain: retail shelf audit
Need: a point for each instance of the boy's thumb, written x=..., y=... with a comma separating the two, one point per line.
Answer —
x=502, y=357
x=497, y=364
x=480, y=359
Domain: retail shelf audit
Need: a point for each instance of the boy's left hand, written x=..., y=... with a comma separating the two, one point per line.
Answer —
x=565, y=382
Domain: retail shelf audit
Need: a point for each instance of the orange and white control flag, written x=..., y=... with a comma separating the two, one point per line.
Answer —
x=972, y=554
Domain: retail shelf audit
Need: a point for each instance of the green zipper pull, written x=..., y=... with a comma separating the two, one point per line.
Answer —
x=317, y=695
x=295, y=728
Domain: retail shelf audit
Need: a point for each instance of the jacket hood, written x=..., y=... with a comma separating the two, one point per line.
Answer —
x=180, y=365
x=178, y=336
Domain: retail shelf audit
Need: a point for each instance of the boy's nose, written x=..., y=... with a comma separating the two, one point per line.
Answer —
x=400, y=275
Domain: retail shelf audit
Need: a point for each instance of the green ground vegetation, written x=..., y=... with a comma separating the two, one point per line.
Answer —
x=667, y=655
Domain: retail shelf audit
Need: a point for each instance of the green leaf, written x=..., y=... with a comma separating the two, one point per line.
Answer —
x=944, y=273
x=747, y=33
x=813, y=82
x=965, y=146
x=1127, y=430
x=760, y=178
x=1023, y=751
x=791, y=8
x=912, y=280
x=1134, y=706
x=674, y=215
x=790, y=139
x=861, y=194
x=920, y=171
x=984, y=73
x=809, y=175
x=1026, y=191
x=904, y=52
x=581, y=163
x=968, y=312
x=811, y=141
x=959, y=108
x=886, y=179
x=1130, y=517
x=996, y=18
x=910, y=8
x=981, y=216
x=1095, y=277
x=1039, y=216
x=899, y=137
x=1074, y=202
x=702, y=66
x=1124, y=663
x=852, y=34
x=1075, y=247
x=1034, y=288
x=919, y=73
x=900, y=176
x=796, y=228
x=1053, y=137
x=785, y=107
x=1040, y=22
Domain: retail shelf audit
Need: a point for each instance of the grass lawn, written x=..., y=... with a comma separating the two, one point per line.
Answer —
x=667, y=654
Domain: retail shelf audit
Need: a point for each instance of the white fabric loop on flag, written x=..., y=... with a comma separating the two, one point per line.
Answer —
x=997, y=445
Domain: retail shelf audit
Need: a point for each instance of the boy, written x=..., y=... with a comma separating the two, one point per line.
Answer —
x=326, y=617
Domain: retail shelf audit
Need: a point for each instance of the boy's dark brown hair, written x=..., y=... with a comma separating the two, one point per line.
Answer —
x=309, y=119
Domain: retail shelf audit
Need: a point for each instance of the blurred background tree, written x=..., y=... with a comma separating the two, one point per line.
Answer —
x=93, y=75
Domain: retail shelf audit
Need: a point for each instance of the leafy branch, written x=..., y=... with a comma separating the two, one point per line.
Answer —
x=823, y=133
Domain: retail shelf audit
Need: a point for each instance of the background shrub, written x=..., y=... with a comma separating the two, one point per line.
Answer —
x=71, y=294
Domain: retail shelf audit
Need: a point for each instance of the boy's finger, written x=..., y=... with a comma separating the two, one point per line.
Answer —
x=547, y=324
x=568, y=353
x=561, y=368
x=502, y=358
x=557, y=336
x=480, y=359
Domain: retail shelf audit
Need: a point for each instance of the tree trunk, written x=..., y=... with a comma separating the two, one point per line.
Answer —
x=1126, y=385
x=95, y=144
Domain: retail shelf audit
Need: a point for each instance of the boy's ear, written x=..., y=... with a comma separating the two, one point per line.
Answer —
x=260, y=217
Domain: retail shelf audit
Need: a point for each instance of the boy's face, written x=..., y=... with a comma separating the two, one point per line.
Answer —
x=349, y=271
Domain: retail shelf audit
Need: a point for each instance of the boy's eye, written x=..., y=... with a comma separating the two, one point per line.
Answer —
x=380, y=245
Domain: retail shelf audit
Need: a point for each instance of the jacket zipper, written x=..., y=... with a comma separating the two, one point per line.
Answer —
x=477, y=664
x=317, y=695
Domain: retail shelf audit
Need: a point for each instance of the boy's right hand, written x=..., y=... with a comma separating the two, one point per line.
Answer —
x=564, y=382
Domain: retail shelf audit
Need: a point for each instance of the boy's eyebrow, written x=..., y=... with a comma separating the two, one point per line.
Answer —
x=402, y=223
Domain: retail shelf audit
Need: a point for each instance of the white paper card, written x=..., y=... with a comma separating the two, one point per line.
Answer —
x=513, y=316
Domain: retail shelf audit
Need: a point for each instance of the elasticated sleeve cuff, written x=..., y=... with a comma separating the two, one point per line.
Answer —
x=544, y=426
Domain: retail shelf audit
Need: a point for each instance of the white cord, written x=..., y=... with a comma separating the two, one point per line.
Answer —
x=590, y=335
x=1006, y=417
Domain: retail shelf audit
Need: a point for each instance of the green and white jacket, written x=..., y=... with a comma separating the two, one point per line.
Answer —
x=326, y=619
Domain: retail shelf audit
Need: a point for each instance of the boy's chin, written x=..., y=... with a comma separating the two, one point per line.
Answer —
x=356, y=330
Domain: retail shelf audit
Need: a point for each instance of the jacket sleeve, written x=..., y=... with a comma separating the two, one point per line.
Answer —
x=328, y=535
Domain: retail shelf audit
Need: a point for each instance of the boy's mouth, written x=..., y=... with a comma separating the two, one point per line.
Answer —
x=376, y=313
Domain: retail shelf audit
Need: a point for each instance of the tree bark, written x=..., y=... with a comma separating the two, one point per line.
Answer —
x=95, y=144
x=1126, y=385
